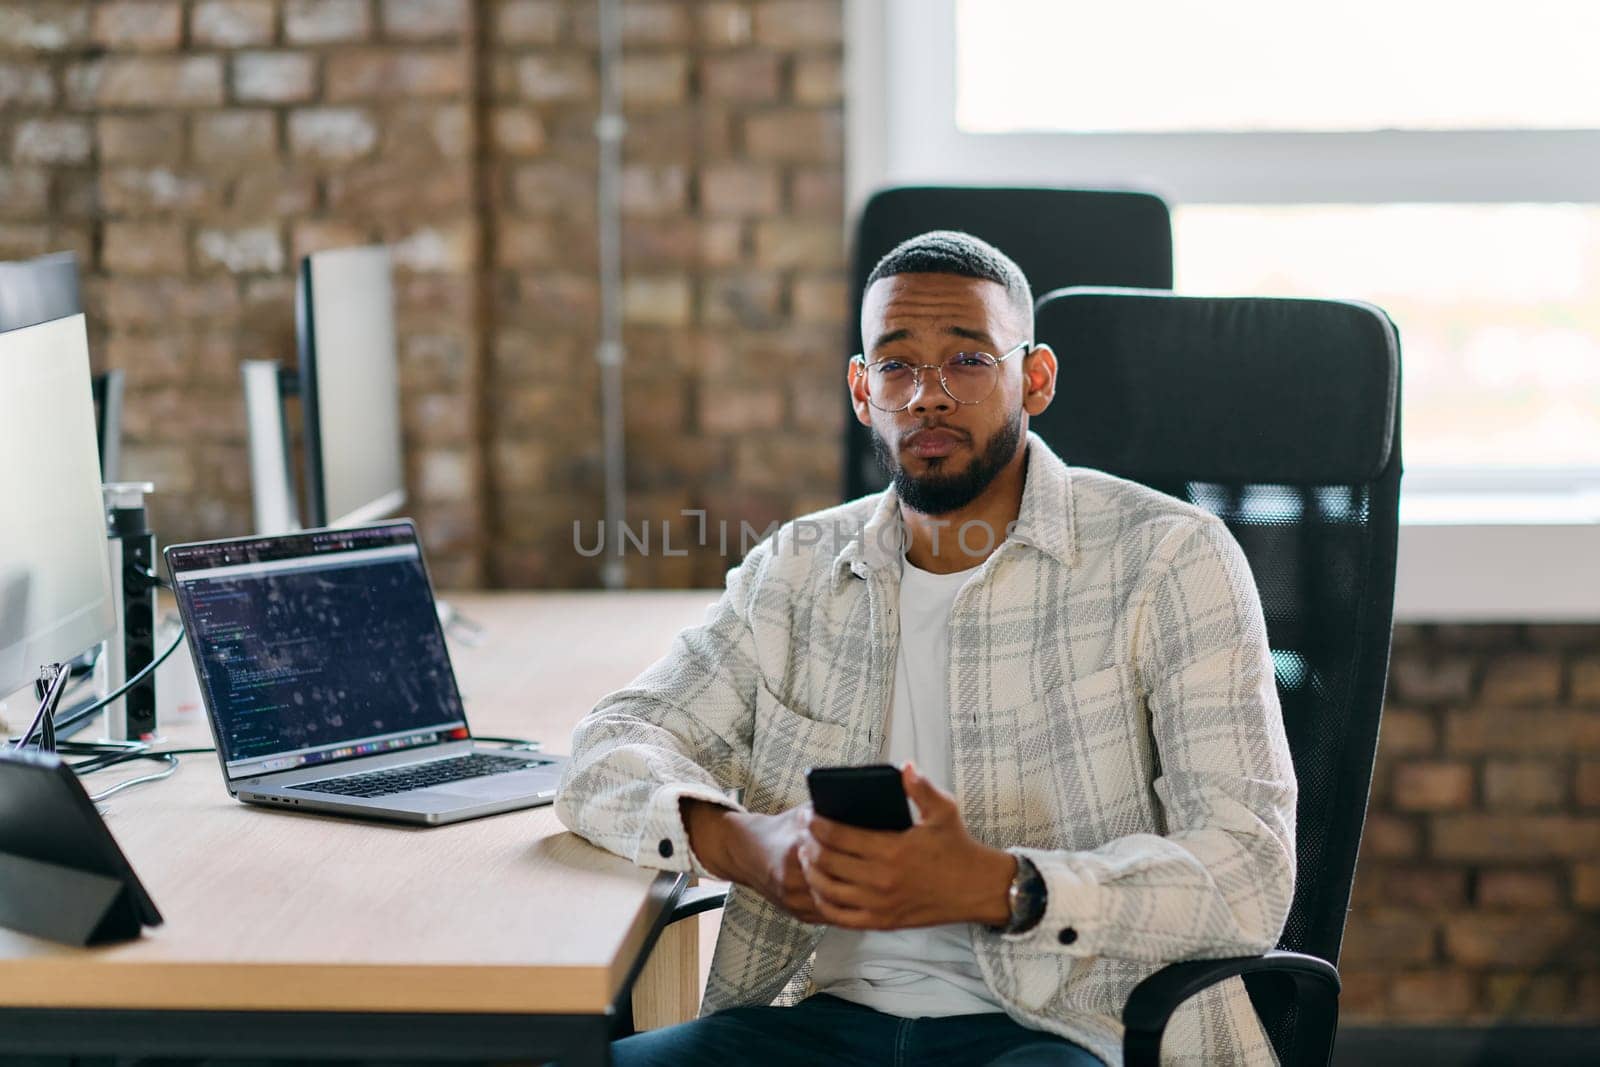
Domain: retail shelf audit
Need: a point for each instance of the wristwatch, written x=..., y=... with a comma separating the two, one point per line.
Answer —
x=1026, y=898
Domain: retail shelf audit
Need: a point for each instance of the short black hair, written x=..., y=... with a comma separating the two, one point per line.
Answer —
x=955, y=252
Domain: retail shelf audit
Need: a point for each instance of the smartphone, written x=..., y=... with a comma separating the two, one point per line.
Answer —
x=871, y=797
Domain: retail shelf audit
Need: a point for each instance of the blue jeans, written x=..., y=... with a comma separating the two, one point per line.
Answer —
x=824, y=1029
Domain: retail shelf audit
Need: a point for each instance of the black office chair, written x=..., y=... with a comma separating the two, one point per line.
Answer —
x=1283, y=418
x=1058, y=237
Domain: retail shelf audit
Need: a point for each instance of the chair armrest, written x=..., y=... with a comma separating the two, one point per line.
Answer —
x=1153, y=1001
x=695, y=900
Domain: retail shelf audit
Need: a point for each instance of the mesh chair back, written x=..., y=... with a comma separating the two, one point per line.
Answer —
x=1058, y=237
x=1282, y=417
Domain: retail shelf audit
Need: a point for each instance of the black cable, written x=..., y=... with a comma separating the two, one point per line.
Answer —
x=89, y=711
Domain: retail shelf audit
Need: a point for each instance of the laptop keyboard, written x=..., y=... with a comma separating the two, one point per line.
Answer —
x=419, y=775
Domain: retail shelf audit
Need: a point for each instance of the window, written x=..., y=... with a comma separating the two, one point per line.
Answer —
x=1438, y=159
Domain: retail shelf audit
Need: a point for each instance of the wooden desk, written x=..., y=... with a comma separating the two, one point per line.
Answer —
x=296, y=934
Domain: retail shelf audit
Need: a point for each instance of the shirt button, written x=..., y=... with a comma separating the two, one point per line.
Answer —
x=665, y=848
x=1067, y=936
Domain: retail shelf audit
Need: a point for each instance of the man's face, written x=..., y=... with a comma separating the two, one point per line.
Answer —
x=943, y=454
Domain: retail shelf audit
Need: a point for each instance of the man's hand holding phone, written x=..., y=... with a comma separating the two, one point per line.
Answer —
x=930, y=874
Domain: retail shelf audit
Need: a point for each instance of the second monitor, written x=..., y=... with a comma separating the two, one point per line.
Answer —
x=347, y=379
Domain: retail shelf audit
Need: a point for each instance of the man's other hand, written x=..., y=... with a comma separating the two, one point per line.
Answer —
x=931, y=874
x=759, y=852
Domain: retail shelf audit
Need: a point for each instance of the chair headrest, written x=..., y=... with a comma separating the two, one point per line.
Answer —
x=1220, y=389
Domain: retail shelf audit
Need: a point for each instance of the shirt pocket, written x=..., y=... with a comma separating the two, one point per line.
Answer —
x=785, y=745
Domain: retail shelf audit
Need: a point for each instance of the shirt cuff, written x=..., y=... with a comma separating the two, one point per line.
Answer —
x=664, y=843
x=1073, y=923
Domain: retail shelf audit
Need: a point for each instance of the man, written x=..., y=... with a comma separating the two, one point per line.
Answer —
x=1072, y=670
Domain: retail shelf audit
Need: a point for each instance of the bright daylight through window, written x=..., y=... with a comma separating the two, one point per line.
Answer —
x=1498, y=303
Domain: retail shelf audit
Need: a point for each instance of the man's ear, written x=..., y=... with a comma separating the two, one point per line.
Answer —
x=1038, y=379
x=856, y=376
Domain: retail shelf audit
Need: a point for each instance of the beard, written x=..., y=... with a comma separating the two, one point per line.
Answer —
x=938, y=493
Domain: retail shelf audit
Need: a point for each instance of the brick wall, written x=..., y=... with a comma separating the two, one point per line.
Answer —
x=191, y=150
x=1477, y=897
x=189, y=153
x=733, y=259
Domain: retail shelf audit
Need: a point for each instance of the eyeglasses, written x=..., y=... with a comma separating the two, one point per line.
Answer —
x=966, y=377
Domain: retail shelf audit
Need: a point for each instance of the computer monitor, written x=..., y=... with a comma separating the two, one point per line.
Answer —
x=349, y=387
x=42, y=290
x=38, y=290
x=55, y=581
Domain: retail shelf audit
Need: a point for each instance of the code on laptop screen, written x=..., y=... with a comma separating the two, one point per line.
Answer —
x=320, y=656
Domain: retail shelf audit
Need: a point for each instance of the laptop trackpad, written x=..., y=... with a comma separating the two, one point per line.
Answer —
x=497, y=785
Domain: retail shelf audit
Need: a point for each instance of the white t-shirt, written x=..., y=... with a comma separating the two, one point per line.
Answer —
x=928, y=971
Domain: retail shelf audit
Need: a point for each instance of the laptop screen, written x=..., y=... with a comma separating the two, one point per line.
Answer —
x=317, y=647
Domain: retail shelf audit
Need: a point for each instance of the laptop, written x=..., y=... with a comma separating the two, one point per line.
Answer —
x=327, y=681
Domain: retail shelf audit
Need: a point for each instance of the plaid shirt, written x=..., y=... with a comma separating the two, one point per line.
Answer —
x=1114, y=719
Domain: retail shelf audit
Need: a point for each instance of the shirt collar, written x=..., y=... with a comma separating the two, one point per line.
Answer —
x=1044, y=521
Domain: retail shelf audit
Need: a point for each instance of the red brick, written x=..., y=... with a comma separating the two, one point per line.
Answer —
x=138, y=24
x=52, y=141
x=332, y=134
x=232, y=23
x=1528, y=939
x=314, y=235
x=1523, y=785
x=799, y=23
x=526, y=243
x=1363, y=994
x=553, y=189
x=1497, y=731
x=1508, y=838
x=654, y=190
x=1576, y=636
x=1527, y=678
x=1523, y=995
x=1496, y=637
x=1424, y=678
x=1586, y=885
x=516, y=131
x=145, y=81
x=806, y=135
x=820, y=299
x=817, y=191
x=251, y=250
x=726, y=25
x=137, y=190
x=226, y=137
x=738, y=190
x=143, y=248
x=654, y=80
x=744, y=409
x=1431, y=887
x=1586, y=680
x=745, y=76
x=753, y=301
x=157, y=302
x=271, y=192
x=1588, y=785
x=170, y=466
x=22, y=240
x=648, y=23
x=787, y=243
x=423, y=20
x=52, y=27
x=529, y=22
x=1518, y=889
x=1406, y=732
x=274, y=77
x=1388, y=836
x=721, y=243
x=24, y=192
x=445, y=246
x=1432, y=994
x=139, y=138
x=24, y=84
x=389, y=73
x=1389, y=937
x=818, y=80
x=658, y=301
x=554, y=77
x=323, y=21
